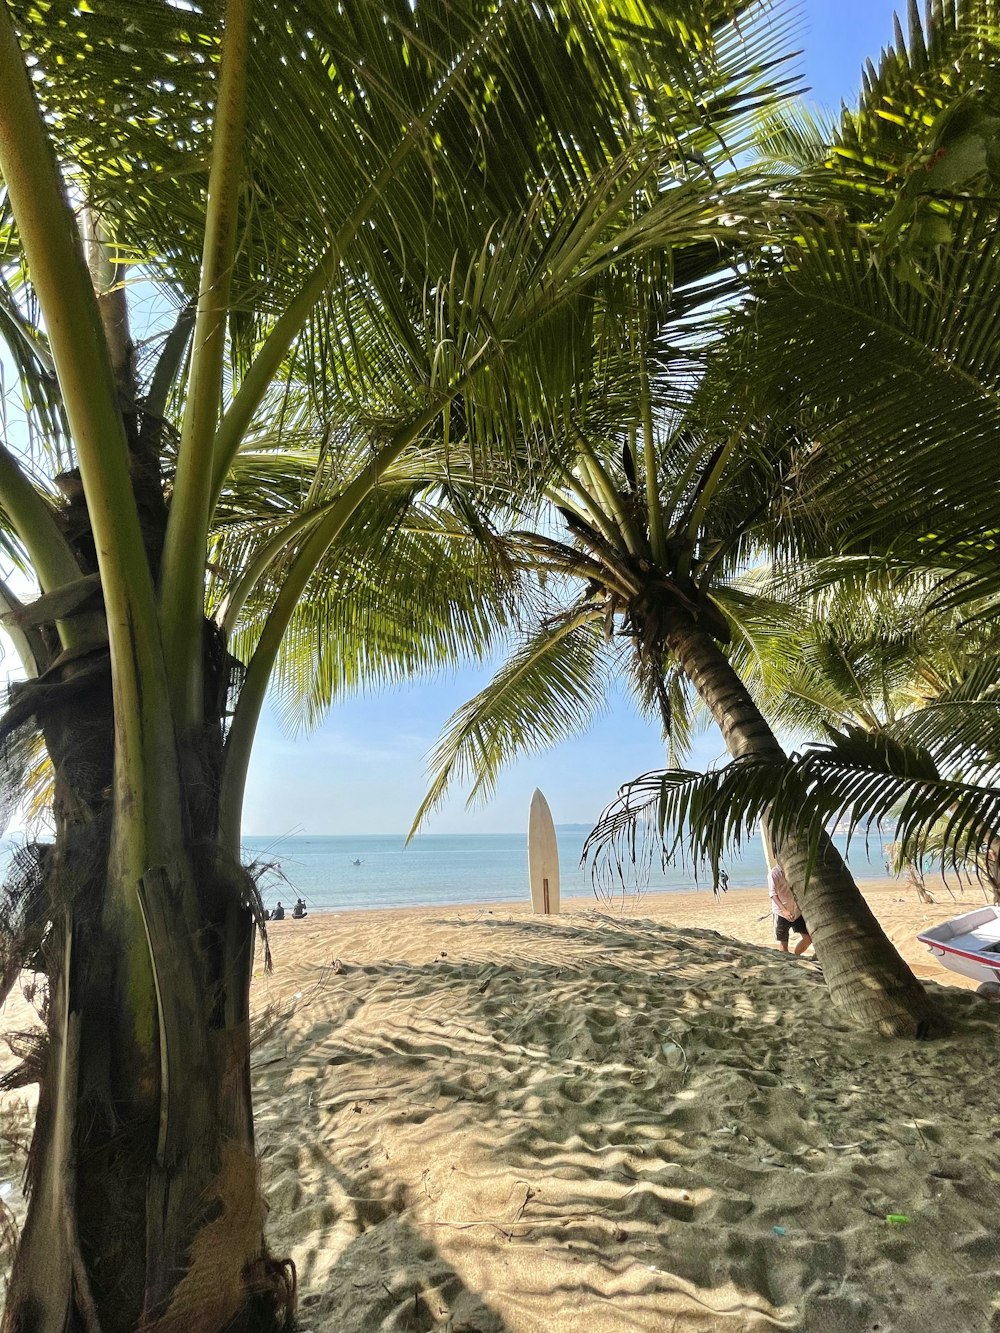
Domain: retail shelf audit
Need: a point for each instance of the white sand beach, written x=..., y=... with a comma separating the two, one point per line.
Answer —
x=477, y=1119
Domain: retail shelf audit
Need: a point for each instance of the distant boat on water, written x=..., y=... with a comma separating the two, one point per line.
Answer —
x=357, y=862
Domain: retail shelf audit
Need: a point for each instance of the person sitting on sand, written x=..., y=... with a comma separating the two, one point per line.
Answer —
x=278, y=914
x=299, y=910
x=787, y=916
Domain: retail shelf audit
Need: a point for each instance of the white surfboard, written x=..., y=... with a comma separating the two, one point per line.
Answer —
x=543, y=857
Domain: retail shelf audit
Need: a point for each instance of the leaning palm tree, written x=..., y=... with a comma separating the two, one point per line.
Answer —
x=648, y=542
x=398, y=207
x=930, y=777
x=870, y=340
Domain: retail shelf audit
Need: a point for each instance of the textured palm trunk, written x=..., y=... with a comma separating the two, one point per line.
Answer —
x=144, y=1211
x=144, y=1206
x=868, y=980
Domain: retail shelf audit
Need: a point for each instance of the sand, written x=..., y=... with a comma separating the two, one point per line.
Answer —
x=476, y=1119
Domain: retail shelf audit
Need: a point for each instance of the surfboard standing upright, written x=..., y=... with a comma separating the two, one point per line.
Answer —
x=543, y=857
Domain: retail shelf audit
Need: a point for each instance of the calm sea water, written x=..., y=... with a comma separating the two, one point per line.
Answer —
x=468, y=868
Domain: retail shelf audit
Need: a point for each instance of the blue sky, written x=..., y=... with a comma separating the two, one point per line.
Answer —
x=363, y=770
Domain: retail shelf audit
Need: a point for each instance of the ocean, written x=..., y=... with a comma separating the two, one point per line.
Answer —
x=348, y=873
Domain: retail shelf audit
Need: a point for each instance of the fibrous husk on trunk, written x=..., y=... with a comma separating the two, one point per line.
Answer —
x=218, y=1290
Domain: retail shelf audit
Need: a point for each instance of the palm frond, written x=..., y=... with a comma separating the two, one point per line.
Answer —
x=549, y=689
x=407, y=590
x=871, y=783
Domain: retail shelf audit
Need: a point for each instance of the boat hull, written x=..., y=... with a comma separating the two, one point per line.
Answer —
x=968, y=944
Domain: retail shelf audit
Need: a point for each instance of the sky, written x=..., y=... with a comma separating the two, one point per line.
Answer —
x=364, y=769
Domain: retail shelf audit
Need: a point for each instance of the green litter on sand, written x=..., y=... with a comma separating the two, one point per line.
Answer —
x=897, y=1219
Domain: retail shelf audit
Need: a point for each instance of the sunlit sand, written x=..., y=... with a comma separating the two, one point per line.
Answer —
x=476, y=1119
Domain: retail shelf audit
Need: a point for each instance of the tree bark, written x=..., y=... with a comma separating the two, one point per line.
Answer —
x=868, y=980
x=144, y=1208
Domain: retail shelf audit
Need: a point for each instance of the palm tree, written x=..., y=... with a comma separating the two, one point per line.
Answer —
x=870, y=340
x=395, y=209
x=931, y=775
x=870, y=654
x=644, y=558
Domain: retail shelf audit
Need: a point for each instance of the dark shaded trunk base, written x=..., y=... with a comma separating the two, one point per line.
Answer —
x=145, y=1210
x=870, y=984
x=868, y=980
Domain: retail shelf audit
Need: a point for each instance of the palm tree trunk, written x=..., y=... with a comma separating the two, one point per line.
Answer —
x=145, y=1207
x=868, y=980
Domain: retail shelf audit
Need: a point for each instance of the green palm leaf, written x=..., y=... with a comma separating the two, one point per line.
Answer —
x=548, y=690
x=869, y=781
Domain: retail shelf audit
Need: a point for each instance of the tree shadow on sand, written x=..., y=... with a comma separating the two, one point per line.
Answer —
x=389, y=1276
x=652, y=1125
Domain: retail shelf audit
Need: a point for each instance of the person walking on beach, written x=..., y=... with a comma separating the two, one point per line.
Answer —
x=787, y=916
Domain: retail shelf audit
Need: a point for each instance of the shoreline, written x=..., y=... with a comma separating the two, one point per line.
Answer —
x=740, y=914
x=341, y=873
x=630, y=897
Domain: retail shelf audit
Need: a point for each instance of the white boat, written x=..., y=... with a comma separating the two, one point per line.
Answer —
x=969, y=944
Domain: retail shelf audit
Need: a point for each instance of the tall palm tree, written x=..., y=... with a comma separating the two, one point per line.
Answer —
x=400, y=207
x=648, y=543
x=870, y=340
